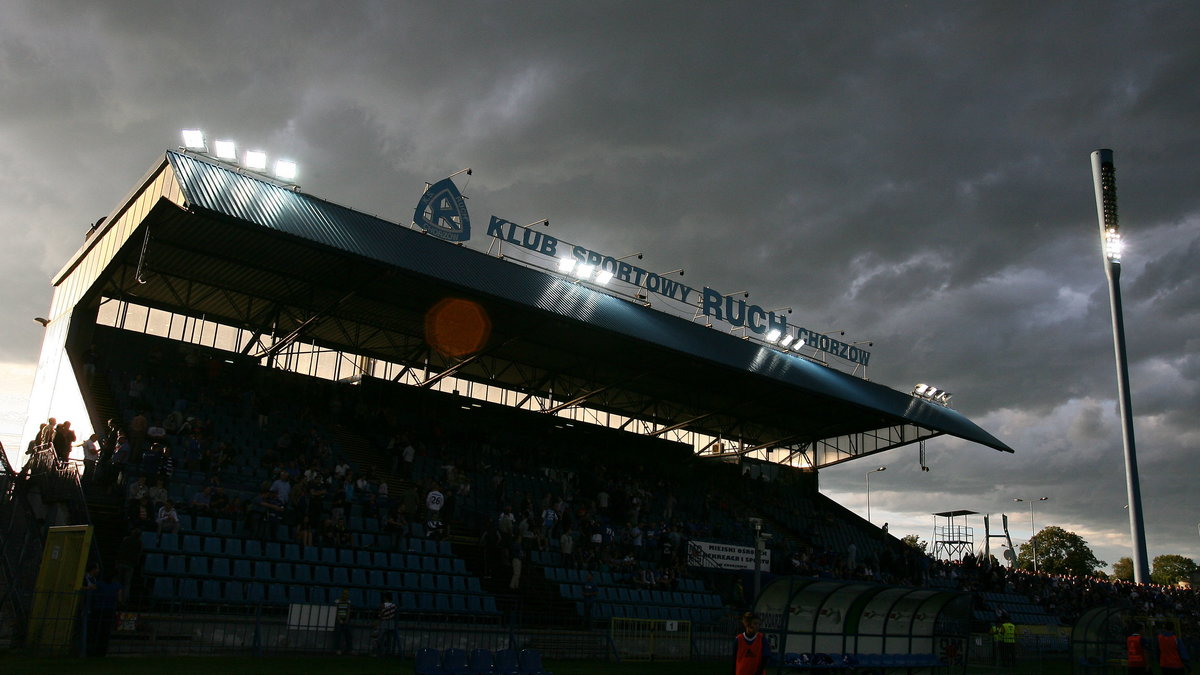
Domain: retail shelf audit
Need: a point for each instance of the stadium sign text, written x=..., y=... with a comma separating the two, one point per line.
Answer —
x=442, y=212
x=725, y=556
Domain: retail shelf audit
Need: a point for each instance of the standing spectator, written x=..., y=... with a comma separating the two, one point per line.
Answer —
x=389, y=636
x=566, y=544
x=64, y=438
x=517, y=555
x=102, y=614
x=589, y=598
x=91, y=455
x=282, y=487
x=434, y=500
x=129, y=557
x=343, y=636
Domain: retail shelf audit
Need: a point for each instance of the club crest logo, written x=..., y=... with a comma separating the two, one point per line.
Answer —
x=442, y=212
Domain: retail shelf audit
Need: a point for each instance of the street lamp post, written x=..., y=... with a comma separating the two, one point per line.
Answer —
x=1104, y=178
x=1032, y=529
x=882, y=468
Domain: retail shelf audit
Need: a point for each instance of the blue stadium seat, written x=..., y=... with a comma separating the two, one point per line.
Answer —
x=262, y=570
x=252, y=549
x=408, y=602
x=481, y=662
x=189, y=590
x=177, y=565
x=321, y=575
x=277, y=594
x=191, y=544
x=164, y=588
x=155, y=564
x=454, y=662
x=346, y=557
x=376, y=579
x=312, y=554
x=530, y=661
x=396, y=561
x=211, y=591
x=362, y=558
x=458, y=584
x=441, y=582
x=444, y=566
x=198, y=566
x=506, y=661
x=302, y=574
x=242, y=569
x=358, y=577
x=233, y=548
x=291, y=552
x=150, y=541
x=428, y=662
x=283, y=572
x=411, y=580
x=223, y=527
x=425, y=581
x=234, y=592
x=379, y=560
x=412, y=562
x=328, y=555
x=213, y=546
x=425, y=602
x=203, y=525
x=460, y=567
x=441, y=603
x=394, y=579
x=341, y=577
x=429, y=564
x=458, y=604
x=273, y=550
x=296, y=595
x=168, y=542
x=473, y=585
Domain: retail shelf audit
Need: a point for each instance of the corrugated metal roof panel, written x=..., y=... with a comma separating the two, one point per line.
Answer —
x=224, y=191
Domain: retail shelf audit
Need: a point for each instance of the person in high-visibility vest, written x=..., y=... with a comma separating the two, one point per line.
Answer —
x=750, y=649
x=1172, y=657
x=1008, y=642
x=996, y=632
x=1136, y=646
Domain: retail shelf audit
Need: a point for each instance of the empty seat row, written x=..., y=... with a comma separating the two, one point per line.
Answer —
x=246, y=570
x=605, y=610
x=632, y=595
x=188, y=590
x=325, y=555
x=573, y=576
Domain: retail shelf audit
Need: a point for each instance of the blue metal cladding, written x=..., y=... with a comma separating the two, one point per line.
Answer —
x=222, y=190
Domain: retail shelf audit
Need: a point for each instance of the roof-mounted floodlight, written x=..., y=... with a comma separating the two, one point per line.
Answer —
x=931, y=393
x=285, y=169
x=1112, y=244
x=773, y=335
x=787, y=340
x=603, y=277
x=255, y=159
x=193, y=139
x=566, y=265
x=796, y=347
x=226, y=150
x=584, y=270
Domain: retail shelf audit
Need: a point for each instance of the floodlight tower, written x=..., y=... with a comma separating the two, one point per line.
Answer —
x=1104, y=177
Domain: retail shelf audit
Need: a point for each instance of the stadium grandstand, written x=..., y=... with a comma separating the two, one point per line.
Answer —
x=318, y=430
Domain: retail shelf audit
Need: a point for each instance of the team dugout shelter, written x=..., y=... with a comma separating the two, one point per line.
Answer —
x=204, y=251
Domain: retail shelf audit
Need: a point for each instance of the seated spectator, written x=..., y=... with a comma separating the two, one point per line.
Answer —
x=167, y=519
x=304, y=532
x=158, y=494
x=202, y=500
x=138, y=489
x=436, y=529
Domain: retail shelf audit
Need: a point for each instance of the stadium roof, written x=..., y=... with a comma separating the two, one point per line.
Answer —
x=233, y=248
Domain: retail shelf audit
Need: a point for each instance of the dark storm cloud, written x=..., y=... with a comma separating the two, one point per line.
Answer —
x=916, y=175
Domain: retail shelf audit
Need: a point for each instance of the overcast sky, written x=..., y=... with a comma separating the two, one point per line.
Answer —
x=916, y=174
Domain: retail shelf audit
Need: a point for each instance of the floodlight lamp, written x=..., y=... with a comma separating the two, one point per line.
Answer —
x=787, y=340
x=1113, y=244
x=773, y=335
x=285, y=169
x=584, y=271
x=603, y=277
x=255, y=159
x=919, y=390
x=226, y=150
x=566, y=265
x=798, y=345
x=193, y=139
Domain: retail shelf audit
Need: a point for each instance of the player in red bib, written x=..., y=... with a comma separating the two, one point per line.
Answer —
x=1136, y=646
x=750, y=649
x=1172, y=658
